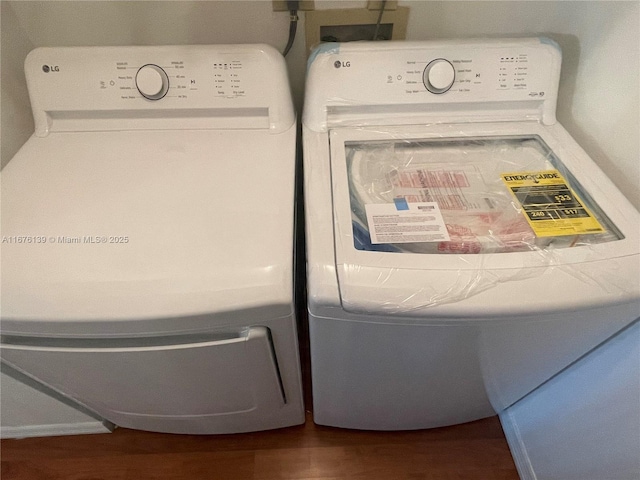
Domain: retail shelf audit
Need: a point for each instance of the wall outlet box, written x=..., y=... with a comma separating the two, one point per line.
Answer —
x=350, y=24
x=281, y=6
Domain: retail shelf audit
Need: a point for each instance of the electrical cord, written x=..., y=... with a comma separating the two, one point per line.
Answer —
x=382, y=5
x=293, y=25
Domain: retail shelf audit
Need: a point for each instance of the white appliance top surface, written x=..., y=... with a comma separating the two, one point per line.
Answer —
x=367, y=92
x=472, y=285
x=122, y=225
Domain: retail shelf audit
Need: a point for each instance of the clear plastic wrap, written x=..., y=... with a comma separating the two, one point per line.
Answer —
x=428, y=217
x=464, y=178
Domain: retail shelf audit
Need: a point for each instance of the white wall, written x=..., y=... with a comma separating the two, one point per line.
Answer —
x=16, y=122
x=599, y=98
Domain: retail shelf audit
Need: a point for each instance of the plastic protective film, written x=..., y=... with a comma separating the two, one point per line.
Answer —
x=467, y=197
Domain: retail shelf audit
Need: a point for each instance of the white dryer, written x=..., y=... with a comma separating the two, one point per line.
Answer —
x=461, y=247
x=147, y=237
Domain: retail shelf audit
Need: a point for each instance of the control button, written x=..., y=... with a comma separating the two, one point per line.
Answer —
x=439, y=75
x=152, y=82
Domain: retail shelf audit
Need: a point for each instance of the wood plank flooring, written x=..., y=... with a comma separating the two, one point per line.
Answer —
x=476, y=450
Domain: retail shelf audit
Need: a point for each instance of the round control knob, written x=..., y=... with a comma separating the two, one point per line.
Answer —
x=439, y=75
x=152, y=82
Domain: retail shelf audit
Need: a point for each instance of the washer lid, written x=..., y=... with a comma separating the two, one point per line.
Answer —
x=133, y=225
x=426, y=220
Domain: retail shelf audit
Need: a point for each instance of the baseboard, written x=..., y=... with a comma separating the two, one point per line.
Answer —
x=27, y=431
x=517, y=446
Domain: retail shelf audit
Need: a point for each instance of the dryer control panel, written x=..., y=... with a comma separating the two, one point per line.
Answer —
x=187, y=86
x=214, y=81
x=505, y=79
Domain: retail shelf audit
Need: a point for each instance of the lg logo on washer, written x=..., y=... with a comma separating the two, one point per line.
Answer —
x=50, y=68
x=339, y=64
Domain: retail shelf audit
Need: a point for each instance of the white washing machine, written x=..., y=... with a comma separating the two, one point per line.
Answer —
x=147, y=237
x=461, y=247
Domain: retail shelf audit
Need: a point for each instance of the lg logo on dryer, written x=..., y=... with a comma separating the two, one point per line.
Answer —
x=339, y=64
x=50, y=68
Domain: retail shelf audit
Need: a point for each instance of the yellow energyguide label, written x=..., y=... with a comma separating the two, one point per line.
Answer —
x=550, y=206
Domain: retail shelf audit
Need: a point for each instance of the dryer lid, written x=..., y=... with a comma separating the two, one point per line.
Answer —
x=471, y=219
x=134, y=225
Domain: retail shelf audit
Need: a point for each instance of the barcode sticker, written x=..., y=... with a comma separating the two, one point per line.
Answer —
x=405, y=222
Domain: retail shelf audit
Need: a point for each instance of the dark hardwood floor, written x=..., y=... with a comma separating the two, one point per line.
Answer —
x=476, y=450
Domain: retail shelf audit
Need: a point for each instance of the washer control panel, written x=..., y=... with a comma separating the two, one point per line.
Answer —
x=464, y=74
x=506, y=79
x=439, y=75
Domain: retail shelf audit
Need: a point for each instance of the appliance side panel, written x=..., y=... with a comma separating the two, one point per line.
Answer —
x=395, y=377
x=585, y=422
